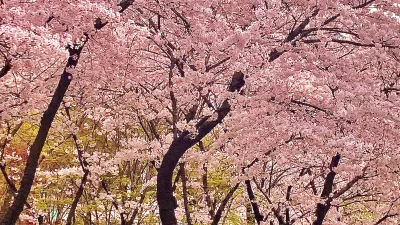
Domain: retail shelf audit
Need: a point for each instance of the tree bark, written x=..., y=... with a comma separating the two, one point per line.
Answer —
x=221, y=207
x=381, y=220
x=257, y=215
x=250, y=220
x=210, y=204
x=6, y=68
x=323, y=208
x=78, y=195
x=17, y=206
x=135, y=212
x=165, y=198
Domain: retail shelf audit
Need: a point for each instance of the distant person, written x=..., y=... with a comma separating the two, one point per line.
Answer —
x=40, y=219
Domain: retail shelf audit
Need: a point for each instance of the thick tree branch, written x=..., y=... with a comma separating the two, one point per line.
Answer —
x=275, y=211
x=6, y=68
x=8, y=180
x=84, y=179
x=287, y=210
x=274, y=54
x=78, y=196
x=387, y=90
x=323, y=208
x=179, y=146
x=185, y=22
x=327, y=21
x=309, y=105
x=386, y=217
x=328, y=185
x=81, y=160
x=366, y=3
x=350, y=184
x=221, y=207
x=237, y=82
x=37, y=146
x=124, y=4
x=185, y=140
x=299, y=29
x=358, y=44
x=209, y=202
x=208, y=68
x=257, y=215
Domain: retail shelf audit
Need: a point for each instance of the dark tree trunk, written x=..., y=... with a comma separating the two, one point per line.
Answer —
x=221, y=207
x=45, y=123
x=165, y=198
x=17, y=206
x=250, y=220
x=210, y=203
x=323, y=208
x=6, y=68
x=257, y=215
x=136, y=211
x=78, y=196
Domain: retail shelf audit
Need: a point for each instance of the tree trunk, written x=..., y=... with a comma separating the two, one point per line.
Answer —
x=221, y=207
x=323, y=208
x=78, y=196
x=250, y=220
x=165, y=198
x=257, y=215
x=17, y=206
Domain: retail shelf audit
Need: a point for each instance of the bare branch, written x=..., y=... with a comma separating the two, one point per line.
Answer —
x=386, y=217
x=221, y=207
x=208, y=68
x=309, y=105
x=364, y=4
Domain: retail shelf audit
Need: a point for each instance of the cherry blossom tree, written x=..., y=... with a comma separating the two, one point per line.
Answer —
x=298, y=98
x=55, y=30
